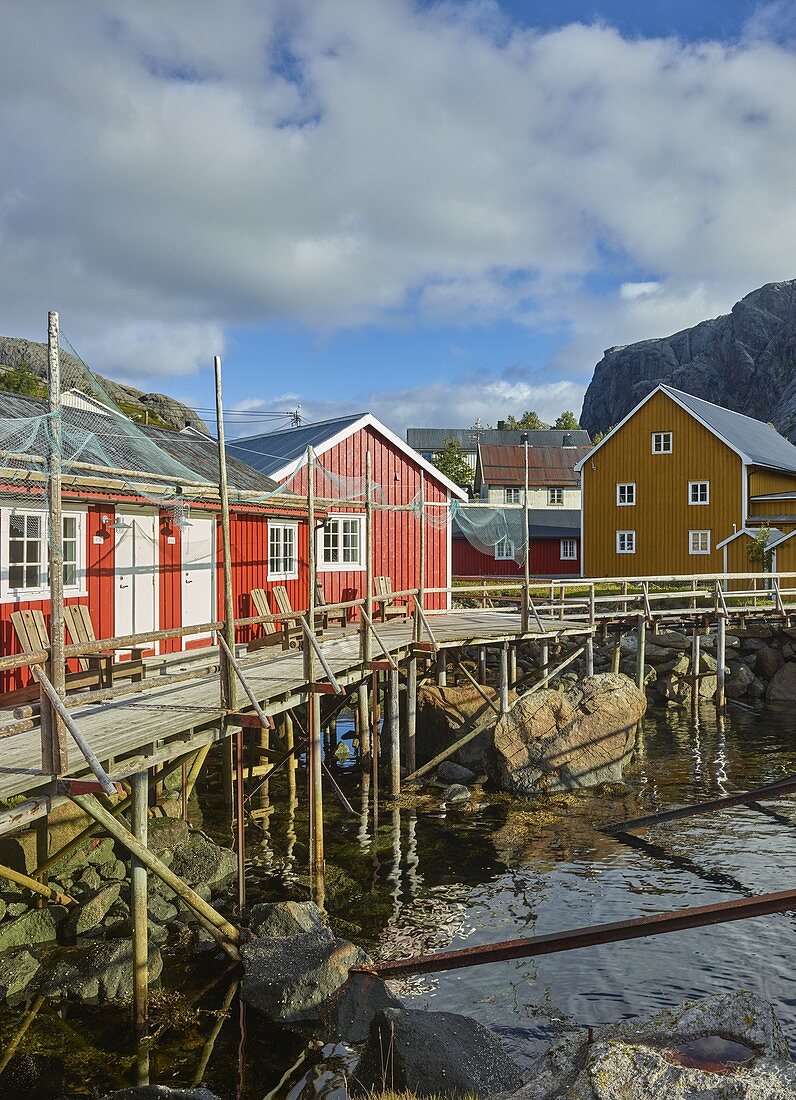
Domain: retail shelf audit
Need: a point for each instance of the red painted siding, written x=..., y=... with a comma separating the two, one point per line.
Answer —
x=545, y=561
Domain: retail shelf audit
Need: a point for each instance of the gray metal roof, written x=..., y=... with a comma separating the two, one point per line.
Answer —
x=760, y=444
x=430, y=440
x=274, y=450
x=554, y=522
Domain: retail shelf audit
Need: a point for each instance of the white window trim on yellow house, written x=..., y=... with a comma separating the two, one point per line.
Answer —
x=620, y=485
x=694, y=485
x=631, y=539
x=699, y=542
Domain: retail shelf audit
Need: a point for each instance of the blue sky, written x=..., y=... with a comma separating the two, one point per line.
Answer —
x=434, y=211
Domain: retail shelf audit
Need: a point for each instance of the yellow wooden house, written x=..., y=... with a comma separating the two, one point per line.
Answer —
x=683, y=486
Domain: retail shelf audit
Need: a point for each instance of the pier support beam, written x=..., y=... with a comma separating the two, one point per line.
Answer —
x=641, y=648
x=590, y=655
x=482, y=664
x=504, y=678
x=442, y=669
x=138, y=900
x=411, y=712
x=363, y=727
x=694, y=667
x=721, y=656
x=395, y=736
x=240, y=822
x=512, y=666
x=545, y=663
x=616, y=653
x=317, y=857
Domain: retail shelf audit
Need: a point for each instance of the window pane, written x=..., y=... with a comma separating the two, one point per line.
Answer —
x=16, y=526
x=16, y=550
x=15, y=576
x=70, y=527
x=70, y=573
x=32, y=576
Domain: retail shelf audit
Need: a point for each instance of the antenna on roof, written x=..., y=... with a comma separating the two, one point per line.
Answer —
x=295, y=417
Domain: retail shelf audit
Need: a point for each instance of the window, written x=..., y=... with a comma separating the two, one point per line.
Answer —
x=661, y=443
x=699, y=542
x=699, y=492
x=26, y=551
x=625, y=542
x=569, y=550
x=342, y=542
x=555, y=496
x=512, y=496
x=626, y=492
x=282, y=559
x=504, y=550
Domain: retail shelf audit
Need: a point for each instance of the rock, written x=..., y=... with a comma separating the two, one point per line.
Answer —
x=441, y=714
x=292, y=979
x=160, y=1092
x=783, y=685
x=35, y=926
x=648, y=1059
x=359, y=1001
x=554, y=741
x=31, y=1075
x=89, y=916
x=99, y=971
x=17, y=970
x=167, y=833
x=433, y=1054
x=670, y=639
x=160, y=910
x=769, y=662
x=113, y=871
x=743, y=361
x=199, y=860
x=277, y=919
x=737, y=683
x=456, y=793
x=450, y=772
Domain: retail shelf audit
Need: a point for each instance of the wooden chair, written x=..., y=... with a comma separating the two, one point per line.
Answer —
x=387, y=609
x=323, y=616
x=291, y=628
x=280, y=633
x=31, y=631
x=77, y=619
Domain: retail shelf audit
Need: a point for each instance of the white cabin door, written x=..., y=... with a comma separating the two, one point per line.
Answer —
x=198, y=574
x=136, y=574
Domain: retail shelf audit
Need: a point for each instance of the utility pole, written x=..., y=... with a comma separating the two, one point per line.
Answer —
x=54, y=744
x=526, y=519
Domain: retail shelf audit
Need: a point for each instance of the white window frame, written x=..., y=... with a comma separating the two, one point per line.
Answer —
x=566, y=544
x=512, y=496
x=504, y=550
x=283, y=574
x=692, y=485
x=42, y=591
x=341, y=566
x=662, y=438
x=622, y=536
x=558, y=490
x=620, y=485
x=691, y=542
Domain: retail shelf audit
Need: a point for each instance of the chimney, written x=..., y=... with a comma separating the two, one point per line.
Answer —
x=567, y=440
x=501, y=425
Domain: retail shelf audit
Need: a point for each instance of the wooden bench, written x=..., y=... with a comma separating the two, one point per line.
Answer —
x=77, y=619
x=384, y=610
x=31, y=631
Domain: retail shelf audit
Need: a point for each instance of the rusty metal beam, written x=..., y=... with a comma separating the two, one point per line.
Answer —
x=772, y=790
x=640, y=927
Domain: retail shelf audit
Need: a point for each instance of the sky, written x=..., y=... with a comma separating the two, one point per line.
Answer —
x=434, y=211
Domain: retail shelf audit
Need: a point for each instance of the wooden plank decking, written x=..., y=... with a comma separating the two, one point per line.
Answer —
x=162, y=722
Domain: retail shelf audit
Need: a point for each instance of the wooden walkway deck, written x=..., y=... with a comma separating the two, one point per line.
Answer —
x=159, y=724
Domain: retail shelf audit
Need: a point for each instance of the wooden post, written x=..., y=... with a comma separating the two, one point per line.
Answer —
x=395, y=736
x=442, y=669
x=421, y=595
x=616, y=654
x=512, y=665
x=526, y=593
x=482, y=664
x=411, y=713
x=228, y=682
x=590, y=655
x=54, y=741
x=721, y=656
x=545, y=663
x=504, y=678
x=138, y=900
x=240, y=821
x=363, y=727
x=367, y=638
x=374, y=748
x=315, y=749
x=641, y=640
x=694, y=667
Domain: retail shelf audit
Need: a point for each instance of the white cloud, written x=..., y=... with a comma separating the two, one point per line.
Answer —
x=343, y=163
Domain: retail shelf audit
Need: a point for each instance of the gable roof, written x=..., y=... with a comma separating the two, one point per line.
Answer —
x=279, y=454
x=756, y=443
x=434, y=439
x=546, y=465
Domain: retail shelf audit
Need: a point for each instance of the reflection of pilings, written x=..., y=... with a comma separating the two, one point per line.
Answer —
x=363, y=836
x=374, y=753
x=411, y=714
x=207, y=1049
x=412, y=861
x=394, y=876
x=28, y=1019
x=363, y=727
x=395, y=735
x=138, y=900
x=292, y=796
x=694, y=668
x=721, y=657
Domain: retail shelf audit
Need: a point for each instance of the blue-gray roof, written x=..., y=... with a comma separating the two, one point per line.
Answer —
x=431, y=440
x=272, y=451
x=760, y=444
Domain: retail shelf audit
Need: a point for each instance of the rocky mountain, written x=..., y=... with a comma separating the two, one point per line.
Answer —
x=156, y=408
x=745, y=361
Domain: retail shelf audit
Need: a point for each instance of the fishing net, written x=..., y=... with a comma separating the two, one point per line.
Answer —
x=498, y=532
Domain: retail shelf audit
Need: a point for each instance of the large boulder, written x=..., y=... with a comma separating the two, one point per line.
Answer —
x=769, y=662
x=292, y=979
x=278, y=919
x=444, y=715
x=35, y=926
x=782, y=687
x=725, y=1047
x=17, y=970
x=556, y=741
x=433, y=1054
x=98, y=972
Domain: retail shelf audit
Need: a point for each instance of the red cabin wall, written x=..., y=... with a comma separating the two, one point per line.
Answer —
x=545, y=561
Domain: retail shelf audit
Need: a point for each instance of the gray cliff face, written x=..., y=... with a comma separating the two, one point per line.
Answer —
x=745, y=361
x=14, y=351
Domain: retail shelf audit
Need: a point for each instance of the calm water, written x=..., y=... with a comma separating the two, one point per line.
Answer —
x=496, y=870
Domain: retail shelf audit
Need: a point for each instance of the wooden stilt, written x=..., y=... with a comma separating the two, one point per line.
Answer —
x=316, y=799
x=54, y=740
x=590, y=656
x=227, y=772
x=482, y=664
x=411, y=712
x=240, y=820
x=374, y=752
x=442, y=669
x=504, y=679
x=641, y=639
x=139, y=817
x=512, y=666
x=332, y=735
x=721, y=659
x=42, y=831
x=616, y=653
x=395, y=736
x=694, y=668
x=363, y=727
x=41, y=889
x=545, y=663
